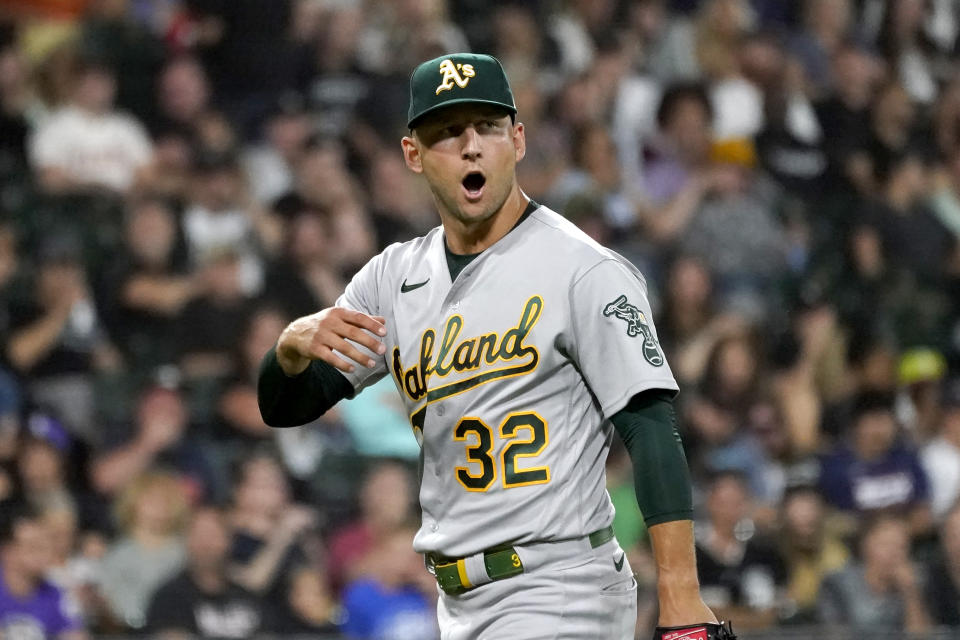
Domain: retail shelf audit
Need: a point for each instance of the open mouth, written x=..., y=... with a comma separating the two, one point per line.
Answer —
x=473, y=185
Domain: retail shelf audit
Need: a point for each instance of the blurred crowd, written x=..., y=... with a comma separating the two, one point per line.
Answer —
x=181, y=178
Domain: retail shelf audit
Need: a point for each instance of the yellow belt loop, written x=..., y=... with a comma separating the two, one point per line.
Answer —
x=462, y=570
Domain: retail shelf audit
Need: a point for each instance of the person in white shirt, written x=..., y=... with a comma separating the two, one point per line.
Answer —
x=87, y=144
x=941, y=457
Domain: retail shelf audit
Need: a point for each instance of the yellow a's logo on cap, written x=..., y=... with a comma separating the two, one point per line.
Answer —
x=459, y=74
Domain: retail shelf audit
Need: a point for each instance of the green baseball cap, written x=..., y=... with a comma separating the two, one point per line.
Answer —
x=458, y=78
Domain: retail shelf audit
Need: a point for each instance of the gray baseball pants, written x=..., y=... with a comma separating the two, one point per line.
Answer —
x=568, y=591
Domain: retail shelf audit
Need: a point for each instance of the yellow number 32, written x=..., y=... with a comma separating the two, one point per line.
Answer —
x=480, y=453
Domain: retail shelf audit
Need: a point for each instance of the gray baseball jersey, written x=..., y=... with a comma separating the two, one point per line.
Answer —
x=510, y=374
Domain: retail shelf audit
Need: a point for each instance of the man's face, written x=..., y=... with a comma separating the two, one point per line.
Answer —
x=208, y=539
x=31, y=548
x=468, y=154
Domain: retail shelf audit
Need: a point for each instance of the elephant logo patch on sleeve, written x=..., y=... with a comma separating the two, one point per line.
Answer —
x=636, y=326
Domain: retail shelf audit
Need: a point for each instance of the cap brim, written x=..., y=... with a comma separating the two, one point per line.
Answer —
x=457, y=101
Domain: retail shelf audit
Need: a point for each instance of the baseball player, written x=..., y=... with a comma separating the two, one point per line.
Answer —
x=518, y=346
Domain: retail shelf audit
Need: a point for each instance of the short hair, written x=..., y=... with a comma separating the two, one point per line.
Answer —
x=871, y=402
x=678, y=93
x=716, y=476
x=12, y=514
x=264, y=451
x=126, y=506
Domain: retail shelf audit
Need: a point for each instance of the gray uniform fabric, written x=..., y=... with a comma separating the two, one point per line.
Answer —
x=567, y=591
x=510, y=374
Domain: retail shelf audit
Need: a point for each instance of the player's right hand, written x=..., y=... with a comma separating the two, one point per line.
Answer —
x=320, y=335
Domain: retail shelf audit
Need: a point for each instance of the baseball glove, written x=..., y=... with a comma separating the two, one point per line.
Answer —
x=705, y=631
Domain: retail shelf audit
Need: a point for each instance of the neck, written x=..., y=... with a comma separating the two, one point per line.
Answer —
x=875, y=579
x=150, y=539
x=209, y=579
x=17, y=583
x=467, y=237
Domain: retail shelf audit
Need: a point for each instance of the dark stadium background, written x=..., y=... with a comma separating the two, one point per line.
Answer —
x=180, y=178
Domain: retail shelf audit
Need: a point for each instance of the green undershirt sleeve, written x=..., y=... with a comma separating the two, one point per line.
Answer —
x=648, y=427
x=289, y=401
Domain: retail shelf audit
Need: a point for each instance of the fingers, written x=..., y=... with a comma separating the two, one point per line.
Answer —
x=326, y=354
x=361, y=337
x=336, y=336
x=362, y=320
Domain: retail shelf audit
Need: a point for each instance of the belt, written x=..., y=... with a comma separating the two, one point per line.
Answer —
x=500, y=563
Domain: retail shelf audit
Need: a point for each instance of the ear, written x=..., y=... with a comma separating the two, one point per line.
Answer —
x=519, y=141
x=411, y=154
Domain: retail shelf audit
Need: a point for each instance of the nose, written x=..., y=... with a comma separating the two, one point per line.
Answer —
x=471, y=144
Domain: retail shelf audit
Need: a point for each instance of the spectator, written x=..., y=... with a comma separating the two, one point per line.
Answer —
x=680, y=177
x=46, y=479
x=394, y=596
x=87, y=144
x=400, y=207
x=577, y=29
x=310, y=608
x=240, y=423
x=75, y=563
x=212, y=324
x=30, y=607
x=595, y=169
x=16, y=97
x=159, y=435
x=912, y=238
x=825, y=25
x=717, y=416
x=57, y=340
x=183, y=94
x=202, y=601
x=149, y=285
x=270, y=532
x=305, y=278
x=810, y=550
x=844, y=117
x=41, y=463
x=906, y=47
x=325, y=183
x=270, y=166
x=690, y=324
x=742, y=576
x=110, y=33
x=151, y=514
x=173, y=162
x=874, y=471
x=944, y=202
x=218, y=220
x=248, y=54
x=941, y=457
x=337, y=83
x=880, y=592
x=385, y=503
x=943, y=573
x=407, y=33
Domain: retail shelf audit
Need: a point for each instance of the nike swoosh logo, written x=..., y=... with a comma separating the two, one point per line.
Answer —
x=618, y=564
x=410, y=287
